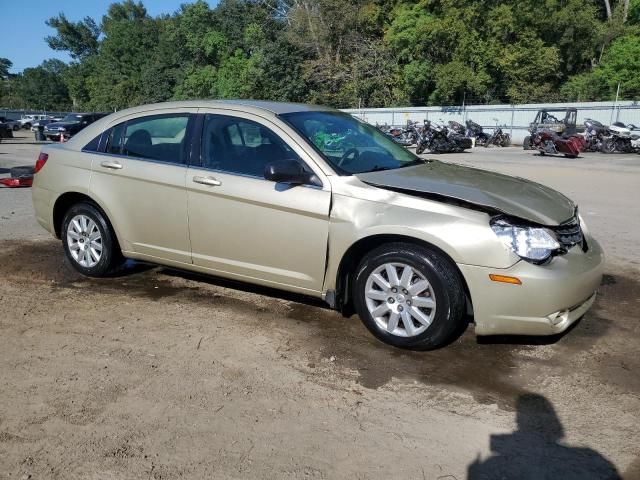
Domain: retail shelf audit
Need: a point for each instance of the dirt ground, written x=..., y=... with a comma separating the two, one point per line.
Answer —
x=160, y=374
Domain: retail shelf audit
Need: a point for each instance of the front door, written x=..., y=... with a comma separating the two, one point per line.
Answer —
x=246, y=227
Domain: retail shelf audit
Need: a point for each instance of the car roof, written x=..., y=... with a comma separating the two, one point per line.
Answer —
x=262, y=108
x=275, y=108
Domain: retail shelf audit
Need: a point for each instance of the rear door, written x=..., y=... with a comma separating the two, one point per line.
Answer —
x=140, y=179
x=244, y=226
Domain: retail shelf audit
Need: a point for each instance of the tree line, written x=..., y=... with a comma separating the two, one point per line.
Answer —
x=342, y=53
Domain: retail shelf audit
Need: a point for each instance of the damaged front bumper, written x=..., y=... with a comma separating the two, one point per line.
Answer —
x=550, y=298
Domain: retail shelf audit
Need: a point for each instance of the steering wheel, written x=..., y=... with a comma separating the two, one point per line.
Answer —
x=344, y=160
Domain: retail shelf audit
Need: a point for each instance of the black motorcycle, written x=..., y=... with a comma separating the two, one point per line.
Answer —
x=594, y=134
x=498, y=138
x=438, y=139
x=456, y=127
x=474, y=130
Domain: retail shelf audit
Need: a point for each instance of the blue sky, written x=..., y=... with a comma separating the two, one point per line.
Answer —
x=22, y=27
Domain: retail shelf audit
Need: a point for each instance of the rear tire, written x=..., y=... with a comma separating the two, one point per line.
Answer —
x=421, y=308
x=526, y=143
x=89, y=241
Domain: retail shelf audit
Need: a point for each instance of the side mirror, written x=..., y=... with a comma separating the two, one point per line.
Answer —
x=289, y=171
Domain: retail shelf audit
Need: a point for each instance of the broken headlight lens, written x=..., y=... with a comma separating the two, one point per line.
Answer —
x=534, y=244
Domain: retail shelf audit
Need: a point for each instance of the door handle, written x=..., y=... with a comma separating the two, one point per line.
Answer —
x=212, y=182
x=111, y=165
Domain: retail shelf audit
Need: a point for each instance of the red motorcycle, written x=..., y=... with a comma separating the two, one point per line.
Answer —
x=548, y=142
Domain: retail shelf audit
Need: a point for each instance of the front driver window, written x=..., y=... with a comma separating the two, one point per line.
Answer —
x=236, y=145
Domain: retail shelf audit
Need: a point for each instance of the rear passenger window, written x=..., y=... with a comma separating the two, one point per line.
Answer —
x=159, y=137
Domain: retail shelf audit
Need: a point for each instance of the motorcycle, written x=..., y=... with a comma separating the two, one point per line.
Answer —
x=403, y=136
x=474, y=130
x=548, y=142
x=619, y=139
x=594, y=134
x=438, y=139
x=498, y=137
x=456, y=127
x=635, y=137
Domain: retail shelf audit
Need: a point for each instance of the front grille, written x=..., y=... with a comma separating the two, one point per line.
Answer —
x=570, y=234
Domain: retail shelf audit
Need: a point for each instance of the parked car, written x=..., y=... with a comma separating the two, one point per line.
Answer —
x=14, y=125
x=70, y=125
x=26, y=121
x=243, y=190
x=43, y=123
x=5, y=130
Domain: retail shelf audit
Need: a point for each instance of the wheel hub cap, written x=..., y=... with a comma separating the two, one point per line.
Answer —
x=84, y=241
x=400, y=299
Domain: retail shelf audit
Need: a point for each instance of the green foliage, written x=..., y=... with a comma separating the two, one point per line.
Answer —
x=42, y=87
x=80, y=39
x=5, y=66
x=343, y=53
x=620, y=65
x=634, y=12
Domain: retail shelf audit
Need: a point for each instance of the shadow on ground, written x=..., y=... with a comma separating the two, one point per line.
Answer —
x=534, y=451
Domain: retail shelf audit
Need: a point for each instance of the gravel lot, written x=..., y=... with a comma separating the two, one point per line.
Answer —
x=162, y=374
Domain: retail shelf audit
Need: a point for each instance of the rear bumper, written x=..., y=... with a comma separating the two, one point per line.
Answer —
x=43, y=206
x=550, y=299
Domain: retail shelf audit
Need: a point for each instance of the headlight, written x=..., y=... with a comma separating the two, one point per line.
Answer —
x=535, y=244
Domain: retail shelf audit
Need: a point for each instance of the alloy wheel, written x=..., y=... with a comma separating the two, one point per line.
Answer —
x=400, y=299
x=84, y=241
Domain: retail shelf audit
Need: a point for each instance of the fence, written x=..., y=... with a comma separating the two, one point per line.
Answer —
x=17, y=114
x=513, y=119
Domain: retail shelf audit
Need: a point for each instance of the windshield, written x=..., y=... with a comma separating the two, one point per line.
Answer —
x=348, y=144
x=72, y=119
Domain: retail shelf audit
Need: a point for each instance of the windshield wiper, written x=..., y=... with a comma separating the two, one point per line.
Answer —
x=417, y=161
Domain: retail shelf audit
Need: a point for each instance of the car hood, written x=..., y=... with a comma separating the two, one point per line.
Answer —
x=488, y=190
x=59, y=124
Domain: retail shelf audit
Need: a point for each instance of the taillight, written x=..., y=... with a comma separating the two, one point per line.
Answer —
x=42, y=159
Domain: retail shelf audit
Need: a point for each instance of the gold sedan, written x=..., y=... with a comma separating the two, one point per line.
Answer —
x=311, y=200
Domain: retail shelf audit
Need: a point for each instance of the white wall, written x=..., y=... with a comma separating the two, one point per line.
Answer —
x=513, y=119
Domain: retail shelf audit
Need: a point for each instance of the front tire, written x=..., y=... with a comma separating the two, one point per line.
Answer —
x=89, y=241
x=409, y=297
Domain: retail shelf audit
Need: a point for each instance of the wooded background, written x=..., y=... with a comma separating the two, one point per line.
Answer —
x=341, y=53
